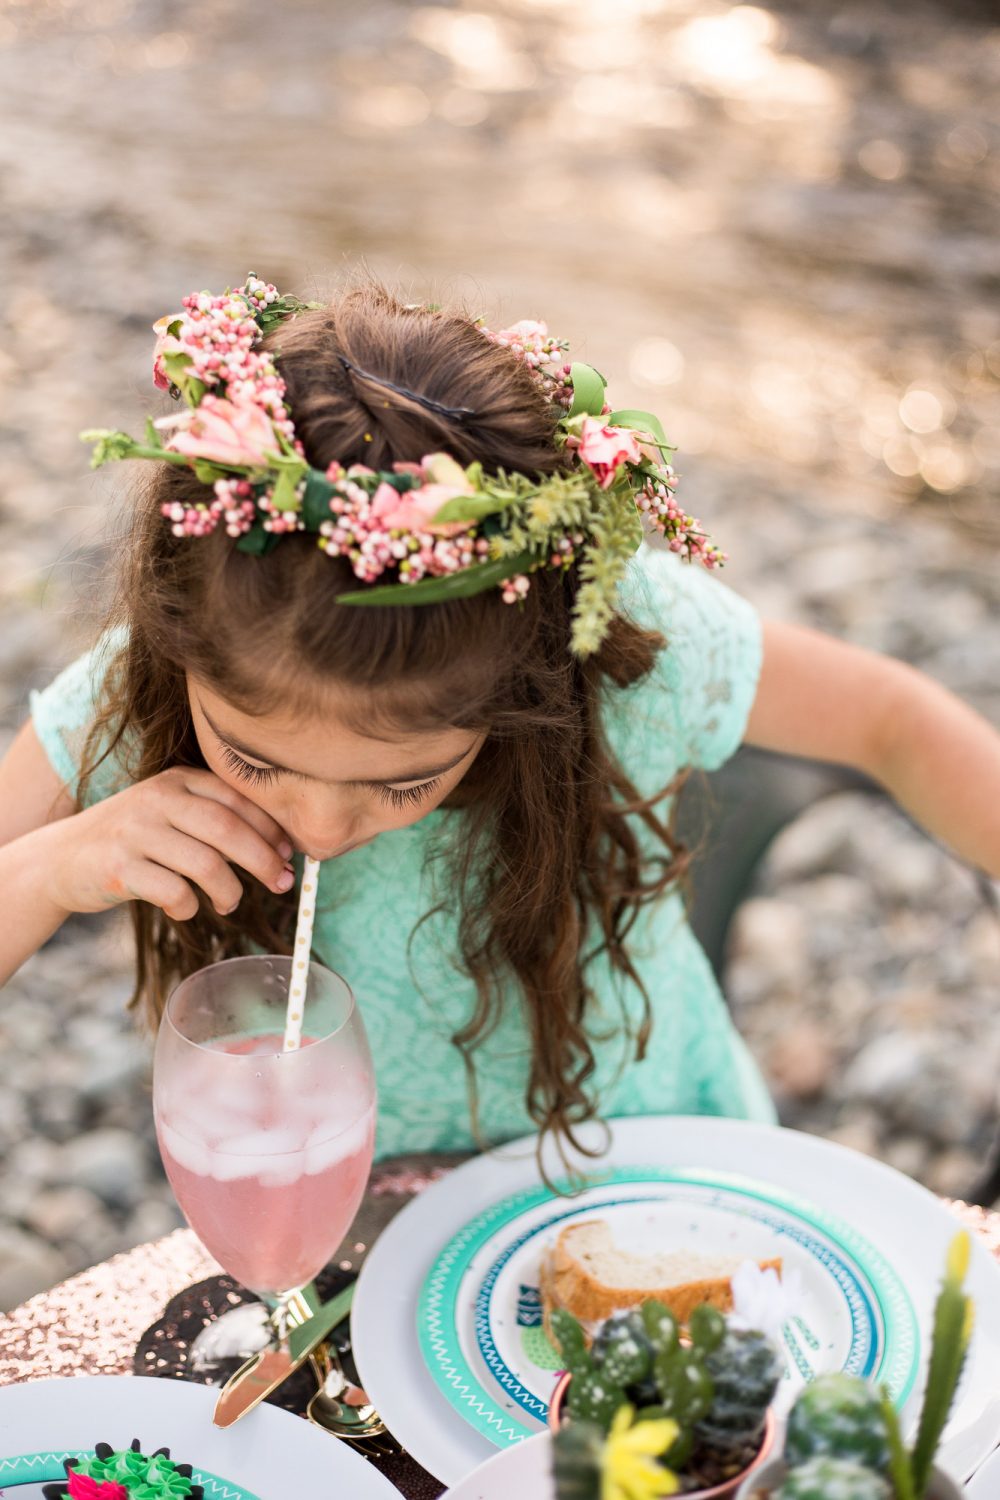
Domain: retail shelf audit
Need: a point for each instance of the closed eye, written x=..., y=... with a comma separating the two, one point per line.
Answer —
x=403, y=796
x=256, y=775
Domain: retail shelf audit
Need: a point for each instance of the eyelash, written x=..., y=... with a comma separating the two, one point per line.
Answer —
x=404, y=796
x=262, y=775
x=256, y=775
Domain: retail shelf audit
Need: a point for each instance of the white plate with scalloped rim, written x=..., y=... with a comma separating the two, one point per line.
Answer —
x=269, y=1455
x=905, y=1223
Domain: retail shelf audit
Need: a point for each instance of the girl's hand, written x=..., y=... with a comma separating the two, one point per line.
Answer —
x=156, y=840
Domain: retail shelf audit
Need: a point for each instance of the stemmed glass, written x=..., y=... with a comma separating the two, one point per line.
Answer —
x=268, y=1152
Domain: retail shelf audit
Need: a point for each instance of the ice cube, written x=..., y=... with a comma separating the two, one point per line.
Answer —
x=195, y=1156
x=355, y=1140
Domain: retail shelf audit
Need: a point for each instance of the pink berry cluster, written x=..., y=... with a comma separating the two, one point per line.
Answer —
x=220, y=336
x=233, y=506
x=544, y=355
x=373, y=545
x=682, y=532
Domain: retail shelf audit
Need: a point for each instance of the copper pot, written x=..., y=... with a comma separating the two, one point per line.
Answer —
x=726, y=1491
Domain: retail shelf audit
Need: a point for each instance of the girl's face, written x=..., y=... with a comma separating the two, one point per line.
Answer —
x=330, y=788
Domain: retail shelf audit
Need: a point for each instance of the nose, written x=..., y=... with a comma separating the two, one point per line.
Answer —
x=324, y=832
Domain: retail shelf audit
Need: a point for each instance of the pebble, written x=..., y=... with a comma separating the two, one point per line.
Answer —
x=27, y=1265
x=108, y=1162
x=801, y=1062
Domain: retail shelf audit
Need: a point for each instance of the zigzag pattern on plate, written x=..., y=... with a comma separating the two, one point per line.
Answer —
x=461, y=1394
x=21, y=1467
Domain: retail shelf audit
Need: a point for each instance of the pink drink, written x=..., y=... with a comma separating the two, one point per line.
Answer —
x=268, y=1167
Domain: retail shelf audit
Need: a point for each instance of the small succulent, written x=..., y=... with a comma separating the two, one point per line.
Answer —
x=829, y=1478
x=844, y=1440
x=839, y=1415
x=710, y=1388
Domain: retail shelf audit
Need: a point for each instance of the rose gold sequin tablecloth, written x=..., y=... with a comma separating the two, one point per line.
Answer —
x=91, y=1324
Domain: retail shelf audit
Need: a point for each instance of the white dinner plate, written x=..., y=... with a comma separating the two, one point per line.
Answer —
x=902, y=1224
x=480, y=1310
x=524, y=1471
x=268, y=1455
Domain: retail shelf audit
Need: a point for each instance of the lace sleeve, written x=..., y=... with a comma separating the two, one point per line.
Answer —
x=711, y=664
x=63, y=713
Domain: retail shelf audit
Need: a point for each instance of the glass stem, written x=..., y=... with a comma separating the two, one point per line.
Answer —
x=288, y=1309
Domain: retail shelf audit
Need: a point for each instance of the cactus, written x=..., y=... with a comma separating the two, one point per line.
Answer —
x=594, y=1398
x=745, y=1369
x=840, y=1415
x=949, y=1344
x=622, y=1349
x=571, y=1340
x=829, y=1478
x=577, y=1460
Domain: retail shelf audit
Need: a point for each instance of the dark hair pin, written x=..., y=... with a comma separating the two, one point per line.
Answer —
x=459, y=413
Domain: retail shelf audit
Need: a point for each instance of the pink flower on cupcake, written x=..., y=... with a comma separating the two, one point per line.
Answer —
x=604, y=449
x=82, y=1487
x=239, y=436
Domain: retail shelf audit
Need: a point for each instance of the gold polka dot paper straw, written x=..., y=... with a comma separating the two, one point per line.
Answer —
x=300, y=955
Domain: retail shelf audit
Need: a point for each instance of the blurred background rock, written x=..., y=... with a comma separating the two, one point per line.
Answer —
x=775, y=225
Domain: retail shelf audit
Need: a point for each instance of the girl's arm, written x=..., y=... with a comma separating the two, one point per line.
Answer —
x=937, y=757
x=32, y=798
x=158, y=840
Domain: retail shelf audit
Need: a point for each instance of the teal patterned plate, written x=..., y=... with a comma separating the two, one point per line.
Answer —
x=479, y=1316
x=269, y=1456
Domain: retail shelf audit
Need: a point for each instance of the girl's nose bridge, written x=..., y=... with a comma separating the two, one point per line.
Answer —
x=325, y=815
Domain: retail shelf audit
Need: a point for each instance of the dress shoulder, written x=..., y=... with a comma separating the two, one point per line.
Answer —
x=707, y=673
x=64, y=712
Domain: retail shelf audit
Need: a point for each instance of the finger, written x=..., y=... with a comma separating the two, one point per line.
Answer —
x=206, y=784
x=148, y=881
x=201, y=863
x=219, y=828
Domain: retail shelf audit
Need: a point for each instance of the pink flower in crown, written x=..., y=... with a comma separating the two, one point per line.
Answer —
x=524, y=331
x=415, y=510
x=223, y=432
x=82, y=1487
x=605, y=449
x=165, y=344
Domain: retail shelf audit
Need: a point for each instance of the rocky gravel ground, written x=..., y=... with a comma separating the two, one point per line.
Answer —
x=777, y=226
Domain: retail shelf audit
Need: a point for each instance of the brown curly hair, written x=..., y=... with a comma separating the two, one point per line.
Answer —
x=544, y=781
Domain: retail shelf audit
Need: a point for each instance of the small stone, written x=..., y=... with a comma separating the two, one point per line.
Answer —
x=151, y=1221
x=113, y=1068
x=772, y=934
x=981, y=941
x=907, y=873
x=801, y=1060
x=860, y=1131
x=908, y=1155
x=110, y=1163
x=884, y=1068
x=27, y=1266
x=13, y=1120
x=59, y=1213
x=953, y=1173
x=35, y=1160
x=817, y=842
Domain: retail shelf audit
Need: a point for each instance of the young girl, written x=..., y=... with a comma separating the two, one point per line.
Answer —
x=487, y=775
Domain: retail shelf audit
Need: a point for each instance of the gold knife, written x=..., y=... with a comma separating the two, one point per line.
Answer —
x=258, y=1377
x=263, y=1372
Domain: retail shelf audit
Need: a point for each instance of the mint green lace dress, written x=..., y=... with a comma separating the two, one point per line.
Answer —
x=692, y=710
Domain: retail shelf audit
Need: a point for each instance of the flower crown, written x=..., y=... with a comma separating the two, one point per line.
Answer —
x=440, y=531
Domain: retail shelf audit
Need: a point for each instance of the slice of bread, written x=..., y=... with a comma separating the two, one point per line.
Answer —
x=585, y=1272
